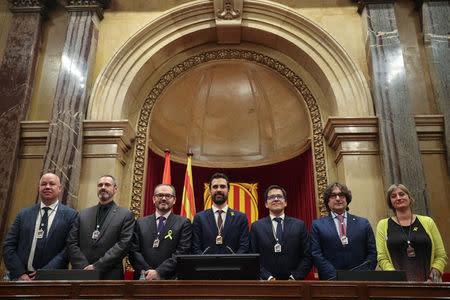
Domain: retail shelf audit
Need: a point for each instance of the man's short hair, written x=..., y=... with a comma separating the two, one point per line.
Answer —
x=329, y=190
x=274, y=187
x=166, y=184
x=110, y=176
x=219, y=175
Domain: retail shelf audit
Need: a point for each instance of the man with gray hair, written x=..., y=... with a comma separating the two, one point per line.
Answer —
x=159, y=238
x=101, y=235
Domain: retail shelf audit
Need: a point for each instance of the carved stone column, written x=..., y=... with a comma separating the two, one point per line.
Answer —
x=17, y=72
x=65, y=141
x=436, y=29
x=399, y=146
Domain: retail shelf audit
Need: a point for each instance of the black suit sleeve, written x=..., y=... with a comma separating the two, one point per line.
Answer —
x=306, y=260
x=137, y=260
x=12, y=261
x=167, y=267
x=254, y=248
x=244, y=236
x=76, y=256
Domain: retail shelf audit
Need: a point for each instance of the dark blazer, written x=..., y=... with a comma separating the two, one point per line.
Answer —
x=162, y=259
x=295, y=257
x=235, y=233
x=107, y=252
x=17, y=245
x=330, y=255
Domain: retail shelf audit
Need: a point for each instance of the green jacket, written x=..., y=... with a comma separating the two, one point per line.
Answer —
x=438, y=254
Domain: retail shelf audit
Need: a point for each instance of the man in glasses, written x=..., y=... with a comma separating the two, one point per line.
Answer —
x=159, y=238
x=282, y=242
x=220, y=229
x=341, y=241
x=101, y=235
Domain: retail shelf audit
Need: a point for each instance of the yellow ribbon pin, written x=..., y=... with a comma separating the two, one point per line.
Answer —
x=232, y=213
x=415, y=229
x=169, y=234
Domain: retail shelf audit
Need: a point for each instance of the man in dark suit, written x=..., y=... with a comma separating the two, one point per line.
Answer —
x=158, y=238
x=220, y=230
x=101, y=235
x=282, y=242
x=37, y=238
x=341, y=241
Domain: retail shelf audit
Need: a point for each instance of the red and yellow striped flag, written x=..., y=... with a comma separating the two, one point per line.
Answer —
x=242, y=197
x=188, y=202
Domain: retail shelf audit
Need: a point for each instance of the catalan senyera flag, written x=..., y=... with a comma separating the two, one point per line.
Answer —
x=188, y=202
x=242, y=197
x=166, y=174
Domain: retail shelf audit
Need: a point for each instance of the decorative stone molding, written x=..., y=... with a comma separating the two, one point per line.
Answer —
x=29, y=6
x=363, y=3
x=175, y=71
x=88, y=5
x=228, y=16
x=430, y=131
x=352, y=136
x=95, y=134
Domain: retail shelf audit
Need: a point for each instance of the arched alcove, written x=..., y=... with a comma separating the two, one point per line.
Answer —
x=272, y=35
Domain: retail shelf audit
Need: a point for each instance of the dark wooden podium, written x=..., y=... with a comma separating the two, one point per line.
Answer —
x=189, y=289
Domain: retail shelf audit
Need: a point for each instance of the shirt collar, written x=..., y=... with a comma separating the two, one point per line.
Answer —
x=157, y=215
x=52, y=206
x=273, y=217
x=214, y=208
x=334, y=215
x=108, y=205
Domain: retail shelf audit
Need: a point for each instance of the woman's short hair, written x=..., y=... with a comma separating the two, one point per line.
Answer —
x=391, y=190
x=329, y=190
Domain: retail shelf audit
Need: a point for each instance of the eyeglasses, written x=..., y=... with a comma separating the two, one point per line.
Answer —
x=167, y=196
x=273, y=197
x=334, y=196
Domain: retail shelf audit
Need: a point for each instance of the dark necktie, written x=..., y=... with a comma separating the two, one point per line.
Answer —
x=161, y=223
x=279, y=231
x=220, y=221
x=40, y=243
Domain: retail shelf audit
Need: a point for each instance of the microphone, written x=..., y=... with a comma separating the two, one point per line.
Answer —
x=361, y=265
x=207, y=248
x=229, y=249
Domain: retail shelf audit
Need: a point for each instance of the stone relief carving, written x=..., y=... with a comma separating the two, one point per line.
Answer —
x=143, y=122
x=228, y=12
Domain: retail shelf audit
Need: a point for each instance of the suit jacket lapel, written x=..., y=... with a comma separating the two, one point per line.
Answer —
x=152, y=227
x=332, y=226
x=167, y=226
x=32, y=216
x=212, y=220
x=109, y=217
x=59, y=215
x=268, y=227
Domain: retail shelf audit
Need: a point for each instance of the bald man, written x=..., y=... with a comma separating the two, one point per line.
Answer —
x=37, y=238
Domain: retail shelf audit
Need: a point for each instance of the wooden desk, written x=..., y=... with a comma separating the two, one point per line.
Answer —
x=188, y=289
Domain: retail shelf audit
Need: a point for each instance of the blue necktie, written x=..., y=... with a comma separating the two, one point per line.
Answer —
x=40, y=243
x=279, y=232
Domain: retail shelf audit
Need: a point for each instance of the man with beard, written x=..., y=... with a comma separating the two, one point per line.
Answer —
x=101, y=235
x=160, y=237
x=220, y=230
x=37, y=238
x=282, y=241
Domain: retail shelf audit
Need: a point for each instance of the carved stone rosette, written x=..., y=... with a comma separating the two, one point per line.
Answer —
x=238, y=54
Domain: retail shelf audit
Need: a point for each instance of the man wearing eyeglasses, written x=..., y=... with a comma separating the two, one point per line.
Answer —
x=101, y=235
x=282, y=241
x=220, y=229
x=341, y=241
x=159, y=238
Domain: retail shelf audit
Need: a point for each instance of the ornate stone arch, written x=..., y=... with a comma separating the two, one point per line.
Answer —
x=266, y=23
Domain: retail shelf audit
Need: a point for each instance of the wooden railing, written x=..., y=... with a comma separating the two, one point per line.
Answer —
x=189, y=289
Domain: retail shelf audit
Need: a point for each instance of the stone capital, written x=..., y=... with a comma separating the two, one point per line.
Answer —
x=30, y=6
x=97, y=6
x=363, y=3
